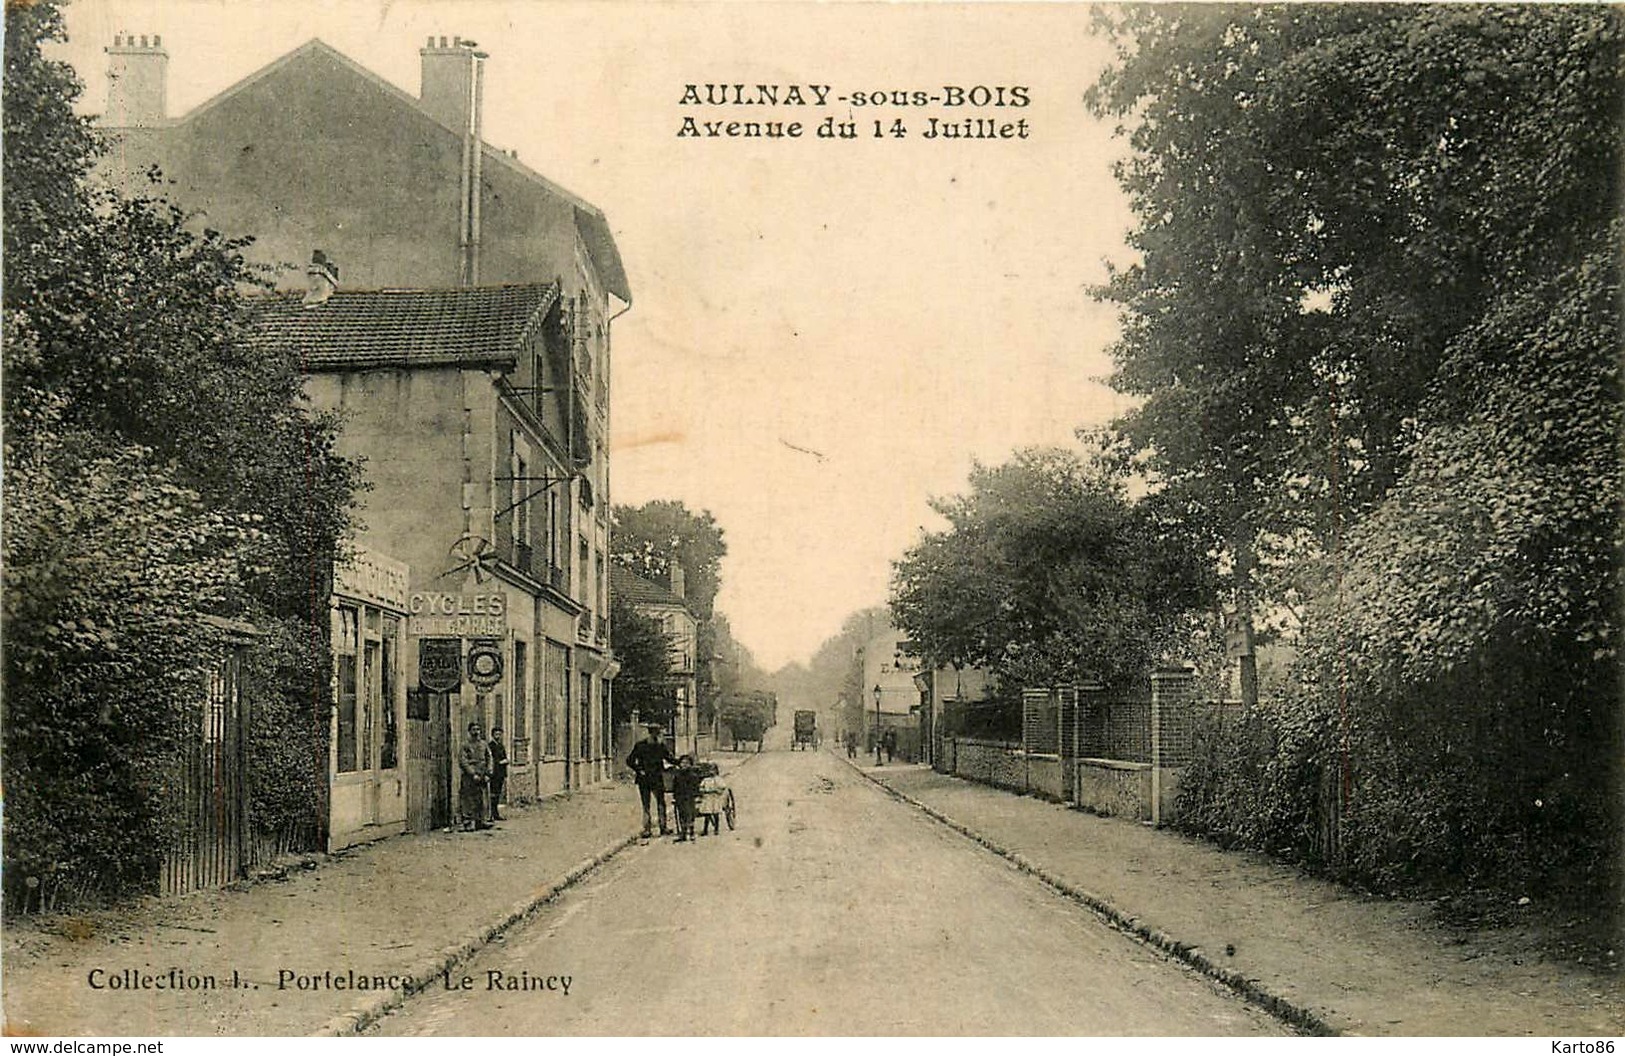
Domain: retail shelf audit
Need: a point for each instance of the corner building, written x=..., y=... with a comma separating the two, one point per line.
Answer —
x=467, y=346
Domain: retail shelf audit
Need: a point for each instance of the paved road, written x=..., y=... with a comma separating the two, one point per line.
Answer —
x=833, y=909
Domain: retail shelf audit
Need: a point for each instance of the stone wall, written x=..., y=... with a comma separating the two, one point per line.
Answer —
x=1004, y=765
x=1115, y=788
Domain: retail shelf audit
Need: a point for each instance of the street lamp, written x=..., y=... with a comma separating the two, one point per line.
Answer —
x=877, y=724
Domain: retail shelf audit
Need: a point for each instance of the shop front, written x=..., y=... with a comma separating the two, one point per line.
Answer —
x=464, y=650
x=365, y=763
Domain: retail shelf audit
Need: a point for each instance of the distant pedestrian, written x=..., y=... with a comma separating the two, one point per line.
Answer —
x=648, y=763
x=474, y=766
x=499, y=771
x=851, y=745
x=890, y=741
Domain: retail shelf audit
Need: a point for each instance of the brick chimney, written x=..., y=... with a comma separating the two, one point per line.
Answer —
x=321, y=278
x=677, y=580
x=137, y=82
x=448, y=81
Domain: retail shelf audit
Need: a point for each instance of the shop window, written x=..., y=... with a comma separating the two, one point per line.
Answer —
x=371, y=704
x=344, y=648
x=520, y=744
x=389, y=749
x=586, y=716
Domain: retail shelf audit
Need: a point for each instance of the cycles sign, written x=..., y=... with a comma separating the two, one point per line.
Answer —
x=437, y=615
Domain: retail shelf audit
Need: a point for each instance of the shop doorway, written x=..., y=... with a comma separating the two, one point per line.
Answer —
x=428, y=763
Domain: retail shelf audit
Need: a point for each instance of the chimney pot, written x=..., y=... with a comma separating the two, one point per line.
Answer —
x=137, y=82
x=448, y=85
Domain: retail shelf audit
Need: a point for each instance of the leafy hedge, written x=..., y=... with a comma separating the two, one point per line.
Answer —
x=109, y=568
x=287, y=683
x=1486, y=781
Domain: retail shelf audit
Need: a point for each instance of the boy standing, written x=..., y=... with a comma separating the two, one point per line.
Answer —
x=685, y=789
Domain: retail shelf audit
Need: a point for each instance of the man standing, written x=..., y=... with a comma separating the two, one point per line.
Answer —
x=648, y=763
x=474, y=765
x=499, y=771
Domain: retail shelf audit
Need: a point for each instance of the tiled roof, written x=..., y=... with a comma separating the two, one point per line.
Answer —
x=353, y=328
x=640, y=591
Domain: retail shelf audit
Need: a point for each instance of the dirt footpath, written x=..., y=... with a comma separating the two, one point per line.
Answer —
x=1363, y=965
x=379, y=909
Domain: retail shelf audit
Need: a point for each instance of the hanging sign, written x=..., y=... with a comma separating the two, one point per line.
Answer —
x=440, y=664
x=1238, y=636
x=485, y=665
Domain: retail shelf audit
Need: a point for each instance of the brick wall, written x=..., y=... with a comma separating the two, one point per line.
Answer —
x=1116, y=729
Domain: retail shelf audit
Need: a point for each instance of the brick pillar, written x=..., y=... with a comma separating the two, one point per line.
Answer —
x=1172, y=721
x=1085, y=698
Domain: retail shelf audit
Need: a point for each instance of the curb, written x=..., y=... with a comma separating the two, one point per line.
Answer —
x=368, y=1012
x=1276, y=1005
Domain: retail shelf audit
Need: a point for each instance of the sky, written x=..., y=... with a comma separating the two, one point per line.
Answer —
x=824, y=333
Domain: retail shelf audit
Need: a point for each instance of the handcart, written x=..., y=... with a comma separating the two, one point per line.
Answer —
x=716, y=798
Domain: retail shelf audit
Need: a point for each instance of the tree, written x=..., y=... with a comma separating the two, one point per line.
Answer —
x=131, y=381
x=1045, y=574
x=1374, y=322
x=832, y=680
x=1472, y=617
x=644, y=685
x=1326, y=197
x=111, y=569
x=49, y=148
